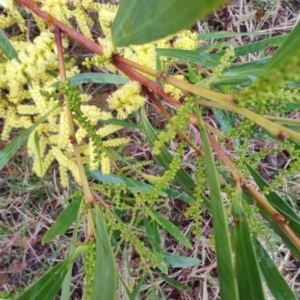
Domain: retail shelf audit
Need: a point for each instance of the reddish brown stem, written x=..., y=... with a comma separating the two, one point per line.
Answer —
x=53, y=23
x=85, y=184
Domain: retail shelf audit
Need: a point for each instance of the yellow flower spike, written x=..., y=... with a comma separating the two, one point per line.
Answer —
x=13, y=16
x=116, y=142
x=9, y=123
x=107, y=15
x=105, y=164
x=39, y=22
x=74, y=170
x=144, y=55
x=186, y=40
x=63, y=135
x=6, y=130
x=92, y=112
x=3, y=107
x=85, y=98
x=174, y=91
x=92, y=163
x=66, y=162
x=83, y=20
x=108, y=129
x=57, y=8
x=23, y=122
x=31, y=148
x=63, y=174
x=107, y=47
x=80, y=135
x=47, y=161
x=126, y=99
x=26, y=110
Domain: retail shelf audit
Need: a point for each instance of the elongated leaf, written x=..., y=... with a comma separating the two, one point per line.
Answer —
x=226, y=121
x=257, y=46
x=227, y=278
x=134, y=185
x=174, y=282
x=154, y=239
x=153, y=234
x=7, y=153
x=142, y=21
x=105, y=275
x=37, y=145
x=278, y=203
x=95, y=78
x=64, y=220
x=275, y=281
x=65, y=289
x=226, y=34
x=247, y=271
x=128, y=293
x=276, y=228
x=180, y=261
x=138, y=287
x=243, y=74
x=170, y=227
x=48, y=286
x=194, y=56
x=6, y=47
x=272, y=223
x=289, y=48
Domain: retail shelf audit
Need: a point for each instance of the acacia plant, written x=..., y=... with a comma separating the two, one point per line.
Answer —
x=141, y=43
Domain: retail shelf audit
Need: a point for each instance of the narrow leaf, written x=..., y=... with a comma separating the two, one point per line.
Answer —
x=170, y=227
x=37, y=145
x=64, y=221
x=97, y=78
x=272, y=223
x=6, y=47
x=275, y=281
x=48, y=285
x=153, y=234
x=227, y=278
x=7, y=153
x=65, y=289
x=128, y=293
x=138, y=287
x=142, y=21
x=278, y=203
x=226, y=34
x=243, y=74
x=275, y=227
x=105, y=275
x=247, y=271
x=257, y=46
x=193, y=56
x=289, y=48
x=134, y=185
x=180, y=261
x=174, y=282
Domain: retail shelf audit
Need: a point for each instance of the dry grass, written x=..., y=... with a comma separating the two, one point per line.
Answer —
x=29, y=205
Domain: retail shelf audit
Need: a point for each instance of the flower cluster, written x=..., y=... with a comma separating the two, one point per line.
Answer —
x=175, y=92
x=126, y=100
x=35, y=72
